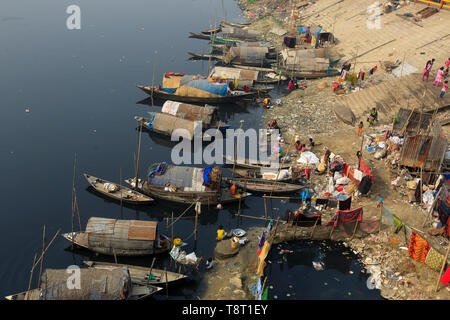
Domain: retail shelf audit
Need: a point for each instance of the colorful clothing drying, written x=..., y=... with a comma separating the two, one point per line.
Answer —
x=417, y=248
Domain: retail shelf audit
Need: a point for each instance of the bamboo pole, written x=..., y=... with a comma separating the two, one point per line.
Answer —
x=263, y=285
x=314, y=228
x=354, y=229
x=78, y=210
x=265, y=208
x=332, y=229
x=153, y=78
x=235, y=148
x=31, y=273
x=115, y=257
x=179, y=217
x=442, y=268
x=42, y=254
x=42, y=261
x=172, y=226
x=167, y=283
x=430, y=211
x=73, y=192
x=196, y=220
x=137, y=157
x=121, y=195
x=381, y=216
x=150, y=271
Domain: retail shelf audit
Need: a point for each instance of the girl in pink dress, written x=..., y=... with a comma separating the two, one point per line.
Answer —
x=439, y=75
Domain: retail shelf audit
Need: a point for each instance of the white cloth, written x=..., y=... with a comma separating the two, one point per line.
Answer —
x=308, y=157
x=358, y=175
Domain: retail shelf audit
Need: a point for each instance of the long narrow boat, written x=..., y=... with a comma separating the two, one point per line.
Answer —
x=139, y=274
x=188, y=197
x=256, y=164
x=95, y=284
x=262, y=185
x=235, y=24
x=306, y=74
x=206, y=56
x=214, y=38
x=212, y=31
x=120, y=237
x=256, y=174
x=116, y=192
x=157, y=93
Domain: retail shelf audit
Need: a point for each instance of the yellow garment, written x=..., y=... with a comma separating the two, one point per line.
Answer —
x=434, y=259
x=321, y=167
x=220, y=234
x=262, y=256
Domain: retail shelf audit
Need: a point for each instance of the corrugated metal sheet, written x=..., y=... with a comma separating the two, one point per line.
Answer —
x=424, y=152
x=414, y=118
x=183, y=177
x=142, y=230
x=100, y=225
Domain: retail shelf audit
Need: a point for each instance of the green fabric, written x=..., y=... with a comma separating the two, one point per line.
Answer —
x=397, y=223
x=152, y=276
x=265, y=295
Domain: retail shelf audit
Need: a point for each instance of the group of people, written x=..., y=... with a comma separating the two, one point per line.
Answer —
x=441, y=75
x=301, y=147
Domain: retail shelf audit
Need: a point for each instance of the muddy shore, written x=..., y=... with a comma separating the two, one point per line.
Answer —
x=306, y=113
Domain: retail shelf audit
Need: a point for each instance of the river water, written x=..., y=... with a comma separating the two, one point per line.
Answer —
x=65, y=92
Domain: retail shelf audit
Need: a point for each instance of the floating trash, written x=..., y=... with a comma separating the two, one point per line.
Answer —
x=351, y=272
x=318, y=265
x=27, y=110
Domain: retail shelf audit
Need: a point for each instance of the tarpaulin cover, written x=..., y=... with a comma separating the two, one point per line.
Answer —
x=246, y=54
x=183, y=177
x=206, y=172
x=347, y=215
x=219, y=89
x=190, y=112
x=95, y=284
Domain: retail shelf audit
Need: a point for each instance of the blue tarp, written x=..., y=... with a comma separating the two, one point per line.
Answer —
x=161, y=167
x=205, y=175
x=169, y=90
x=203, y=84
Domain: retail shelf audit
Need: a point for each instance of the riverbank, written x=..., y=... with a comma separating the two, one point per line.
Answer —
x=306, y=113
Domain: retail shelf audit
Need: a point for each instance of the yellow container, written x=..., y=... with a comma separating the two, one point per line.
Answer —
x=234, y=244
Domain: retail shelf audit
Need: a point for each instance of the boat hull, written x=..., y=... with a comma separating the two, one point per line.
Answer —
x=167, y=96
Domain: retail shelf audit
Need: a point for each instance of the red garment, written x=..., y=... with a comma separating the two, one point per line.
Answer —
x=446, y=277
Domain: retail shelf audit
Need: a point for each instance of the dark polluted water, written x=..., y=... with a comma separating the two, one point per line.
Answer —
x=316, y=270
x=65, y=92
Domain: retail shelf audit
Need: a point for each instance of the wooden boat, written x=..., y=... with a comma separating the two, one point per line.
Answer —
x=118, y=192
x=213, y=38
x=223, y=196
x=240, y=96
x=120, y=237
x=212, y=31
x=255, y=174
x=186, y=184
x=139, y=274
x=95, y=284
x=199, y=56
x=256, y=164
x=306, y=74
x=235, y=24
x=263, y=185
